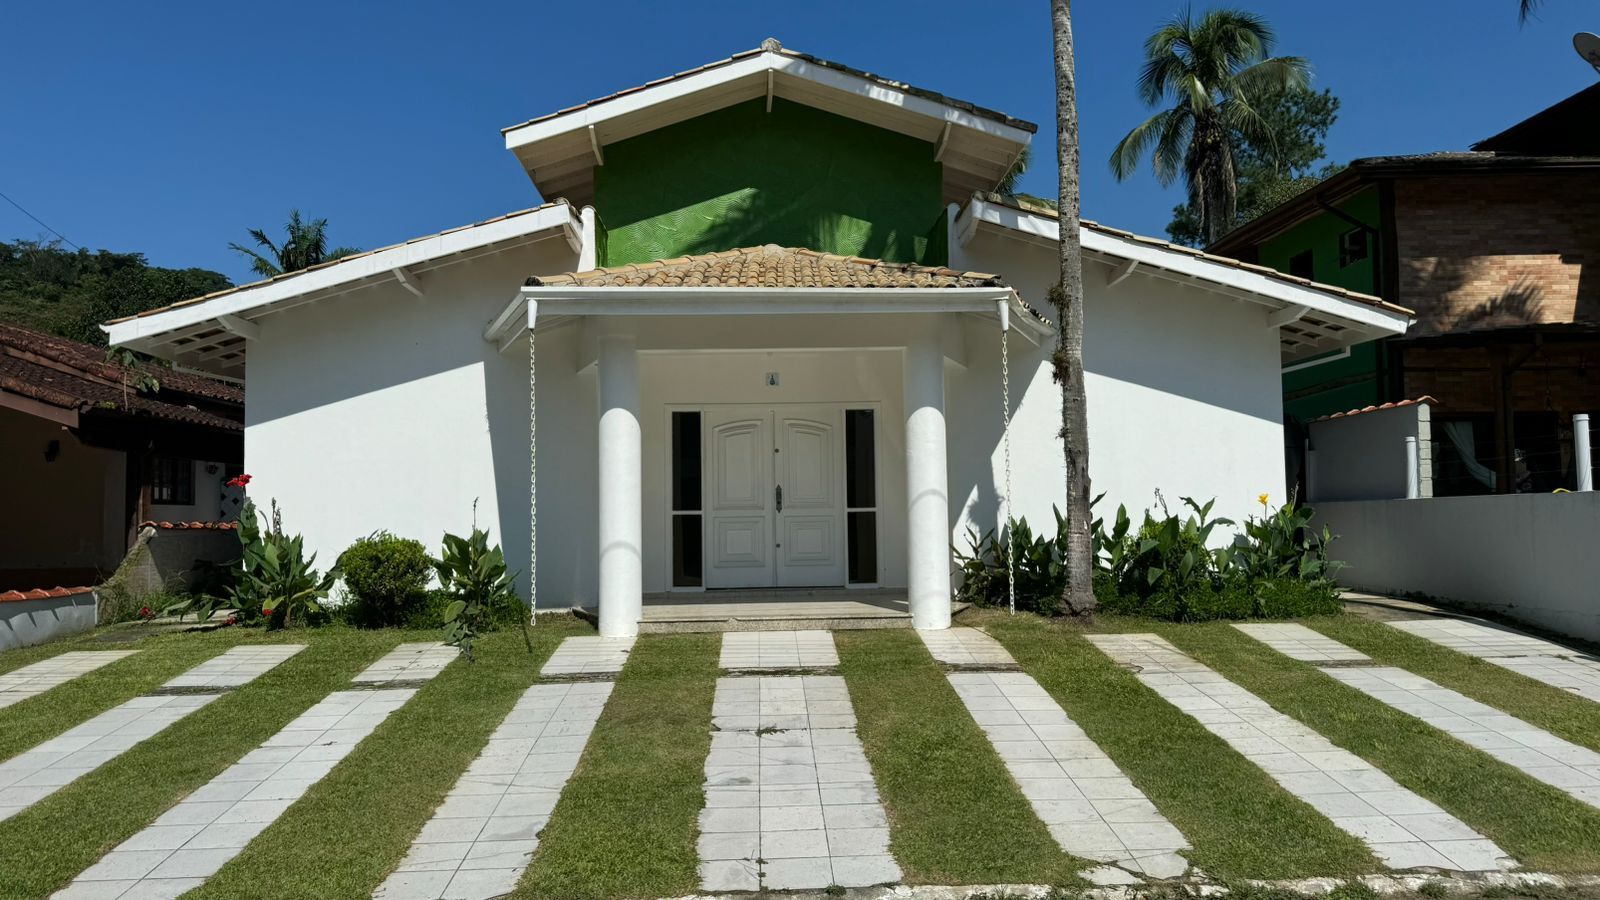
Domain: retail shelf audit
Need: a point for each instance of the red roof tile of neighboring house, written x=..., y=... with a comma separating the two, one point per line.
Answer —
x=42, y=594
x=184, y=526
x=771, y=266
x=75, y=376
x=1382, y=406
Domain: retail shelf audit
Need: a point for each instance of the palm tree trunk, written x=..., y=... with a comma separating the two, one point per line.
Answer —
x=1067, y=358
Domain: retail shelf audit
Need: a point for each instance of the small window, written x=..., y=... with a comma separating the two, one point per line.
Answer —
x=172, y=481
x=687, y=535
x=861, y=496
x=1300, y=265
x=1352, y=246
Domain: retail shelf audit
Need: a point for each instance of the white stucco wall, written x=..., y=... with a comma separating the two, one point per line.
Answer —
x=381, y=410
x=208, y=498
x=65, y=514
x=1183, y=388
x=1363, y=457
x=1527, y=556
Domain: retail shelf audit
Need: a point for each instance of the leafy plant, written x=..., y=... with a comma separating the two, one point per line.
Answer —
x=277, y=577
x=1283, y=545
x=1039, y=572
x=386, y=578
x=1165, y=555
x=475, y=578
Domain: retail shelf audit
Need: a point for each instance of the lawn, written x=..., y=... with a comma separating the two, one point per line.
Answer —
x=626, y=824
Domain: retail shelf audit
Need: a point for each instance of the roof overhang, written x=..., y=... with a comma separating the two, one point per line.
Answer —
x=1310, y=320
x=540, y=308
x=559, y=152
x=211, y=334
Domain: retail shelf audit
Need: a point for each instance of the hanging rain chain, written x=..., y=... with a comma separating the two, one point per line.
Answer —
x=1005, y=409
x=533, y=486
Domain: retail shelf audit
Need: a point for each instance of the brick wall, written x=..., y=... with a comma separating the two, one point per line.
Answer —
x=1564, y=378
x=1498, y=250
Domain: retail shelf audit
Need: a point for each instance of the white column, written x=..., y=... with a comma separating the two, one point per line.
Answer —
x=927, y=484
x=621, y=493
x=1581, y=459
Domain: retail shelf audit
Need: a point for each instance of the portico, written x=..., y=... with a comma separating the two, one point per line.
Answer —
x=768, y=435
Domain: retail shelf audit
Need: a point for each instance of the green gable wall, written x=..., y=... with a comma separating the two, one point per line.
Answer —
x=1348, y=383
x=797, y=177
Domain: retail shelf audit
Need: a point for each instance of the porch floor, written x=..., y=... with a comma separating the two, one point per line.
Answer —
x=777, y=609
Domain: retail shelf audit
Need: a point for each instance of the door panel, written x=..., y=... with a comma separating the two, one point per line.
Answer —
x=739, y=508
x=752, y=538
x=811, y=546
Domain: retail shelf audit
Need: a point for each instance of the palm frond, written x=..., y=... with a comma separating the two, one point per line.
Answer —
x=1526, y=10
x=259, y=264
x=1270, y=76
x=1131, y=149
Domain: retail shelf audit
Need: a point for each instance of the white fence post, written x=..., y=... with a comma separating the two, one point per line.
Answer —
x=1413, y=469
x=1581, y=461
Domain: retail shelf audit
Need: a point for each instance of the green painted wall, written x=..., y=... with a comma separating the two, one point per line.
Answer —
x=797, y=177
x=1347, y=383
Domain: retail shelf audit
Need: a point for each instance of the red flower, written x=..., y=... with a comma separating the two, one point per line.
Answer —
x=231, y=620
x=239, y=481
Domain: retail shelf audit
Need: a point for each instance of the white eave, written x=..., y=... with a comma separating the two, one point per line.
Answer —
x=545, y=306
x=211, y=334
x=560, y=152
x=1311, y=319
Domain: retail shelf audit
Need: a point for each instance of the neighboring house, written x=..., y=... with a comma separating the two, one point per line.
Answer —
x=88, y=455
x=766, y=304
x=1498, y=251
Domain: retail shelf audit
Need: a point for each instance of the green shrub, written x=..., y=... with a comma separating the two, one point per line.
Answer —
x=1278, y=567
x=386, y=578
x=1040, y=572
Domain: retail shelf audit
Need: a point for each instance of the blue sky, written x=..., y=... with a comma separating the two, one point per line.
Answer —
x=169, y=128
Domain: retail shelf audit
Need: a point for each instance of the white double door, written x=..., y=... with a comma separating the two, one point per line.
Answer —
x=775, y=513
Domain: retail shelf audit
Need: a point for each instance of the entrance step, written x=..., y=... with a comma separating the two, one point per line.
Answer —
x=774, y=610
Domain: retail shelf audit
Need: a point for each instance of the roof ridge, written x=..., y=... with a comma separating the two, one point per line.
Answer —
x=652, y=266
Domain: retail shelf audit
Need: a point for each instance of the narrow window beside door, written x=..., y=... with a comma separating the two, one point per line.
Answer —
x=686, y=527
x=861, y=495
x=172, y=480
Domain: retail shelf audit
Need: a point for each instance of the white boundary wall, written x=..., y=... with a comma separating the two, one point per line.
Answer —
x=1529, y=556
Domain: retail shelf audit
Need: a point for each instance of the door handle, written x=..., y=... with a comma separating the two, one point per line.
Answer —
x=779, y=495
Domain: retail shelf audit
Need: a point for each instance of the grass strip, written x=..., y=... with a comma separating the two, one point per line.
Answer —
x=1557, y=711
x=1544, y=828
x=42, y=848
x=352, y=828
x=942, y=784
x=43, y=716
x=628, y=820
x=1240, y=822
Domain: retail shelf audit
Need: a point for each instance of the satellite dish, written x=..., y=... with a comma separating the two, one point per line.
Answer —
x=1588, y=46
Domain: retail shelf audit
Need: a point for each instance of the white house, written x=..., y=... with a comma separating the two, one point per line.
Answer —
x=769, y=302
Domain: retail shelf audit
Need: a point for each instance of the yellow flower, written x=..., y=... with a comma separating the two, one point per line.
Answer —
x=1262, y=499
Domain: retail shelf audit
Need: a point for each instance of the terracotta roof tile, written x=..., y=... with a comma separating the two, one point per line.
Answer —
x=771, y=266
x=184, y=526
x=75, y=376
x=772, y=46
x=1382, y=406
x=42, y=594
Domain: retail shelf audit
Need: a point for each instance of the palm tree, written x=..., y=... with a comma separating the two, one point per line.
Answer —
x=1066, y=360
x=1212, y=71
x=306, y=245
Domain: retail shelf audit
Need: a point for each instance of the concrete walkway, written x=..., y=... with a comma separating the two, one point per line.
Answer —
x=20, y=684
x=790, y=799
x=1404, y=830
x=482, y=837
x=1561, y=667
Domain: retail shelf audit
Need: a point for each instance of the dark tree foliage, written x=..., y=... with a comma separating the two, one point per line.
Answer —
x=1271, y=172
x=70, y=293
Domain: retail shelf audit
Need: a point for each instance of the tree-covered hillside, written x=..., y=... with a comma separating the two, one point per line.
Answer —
x=70, y=293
